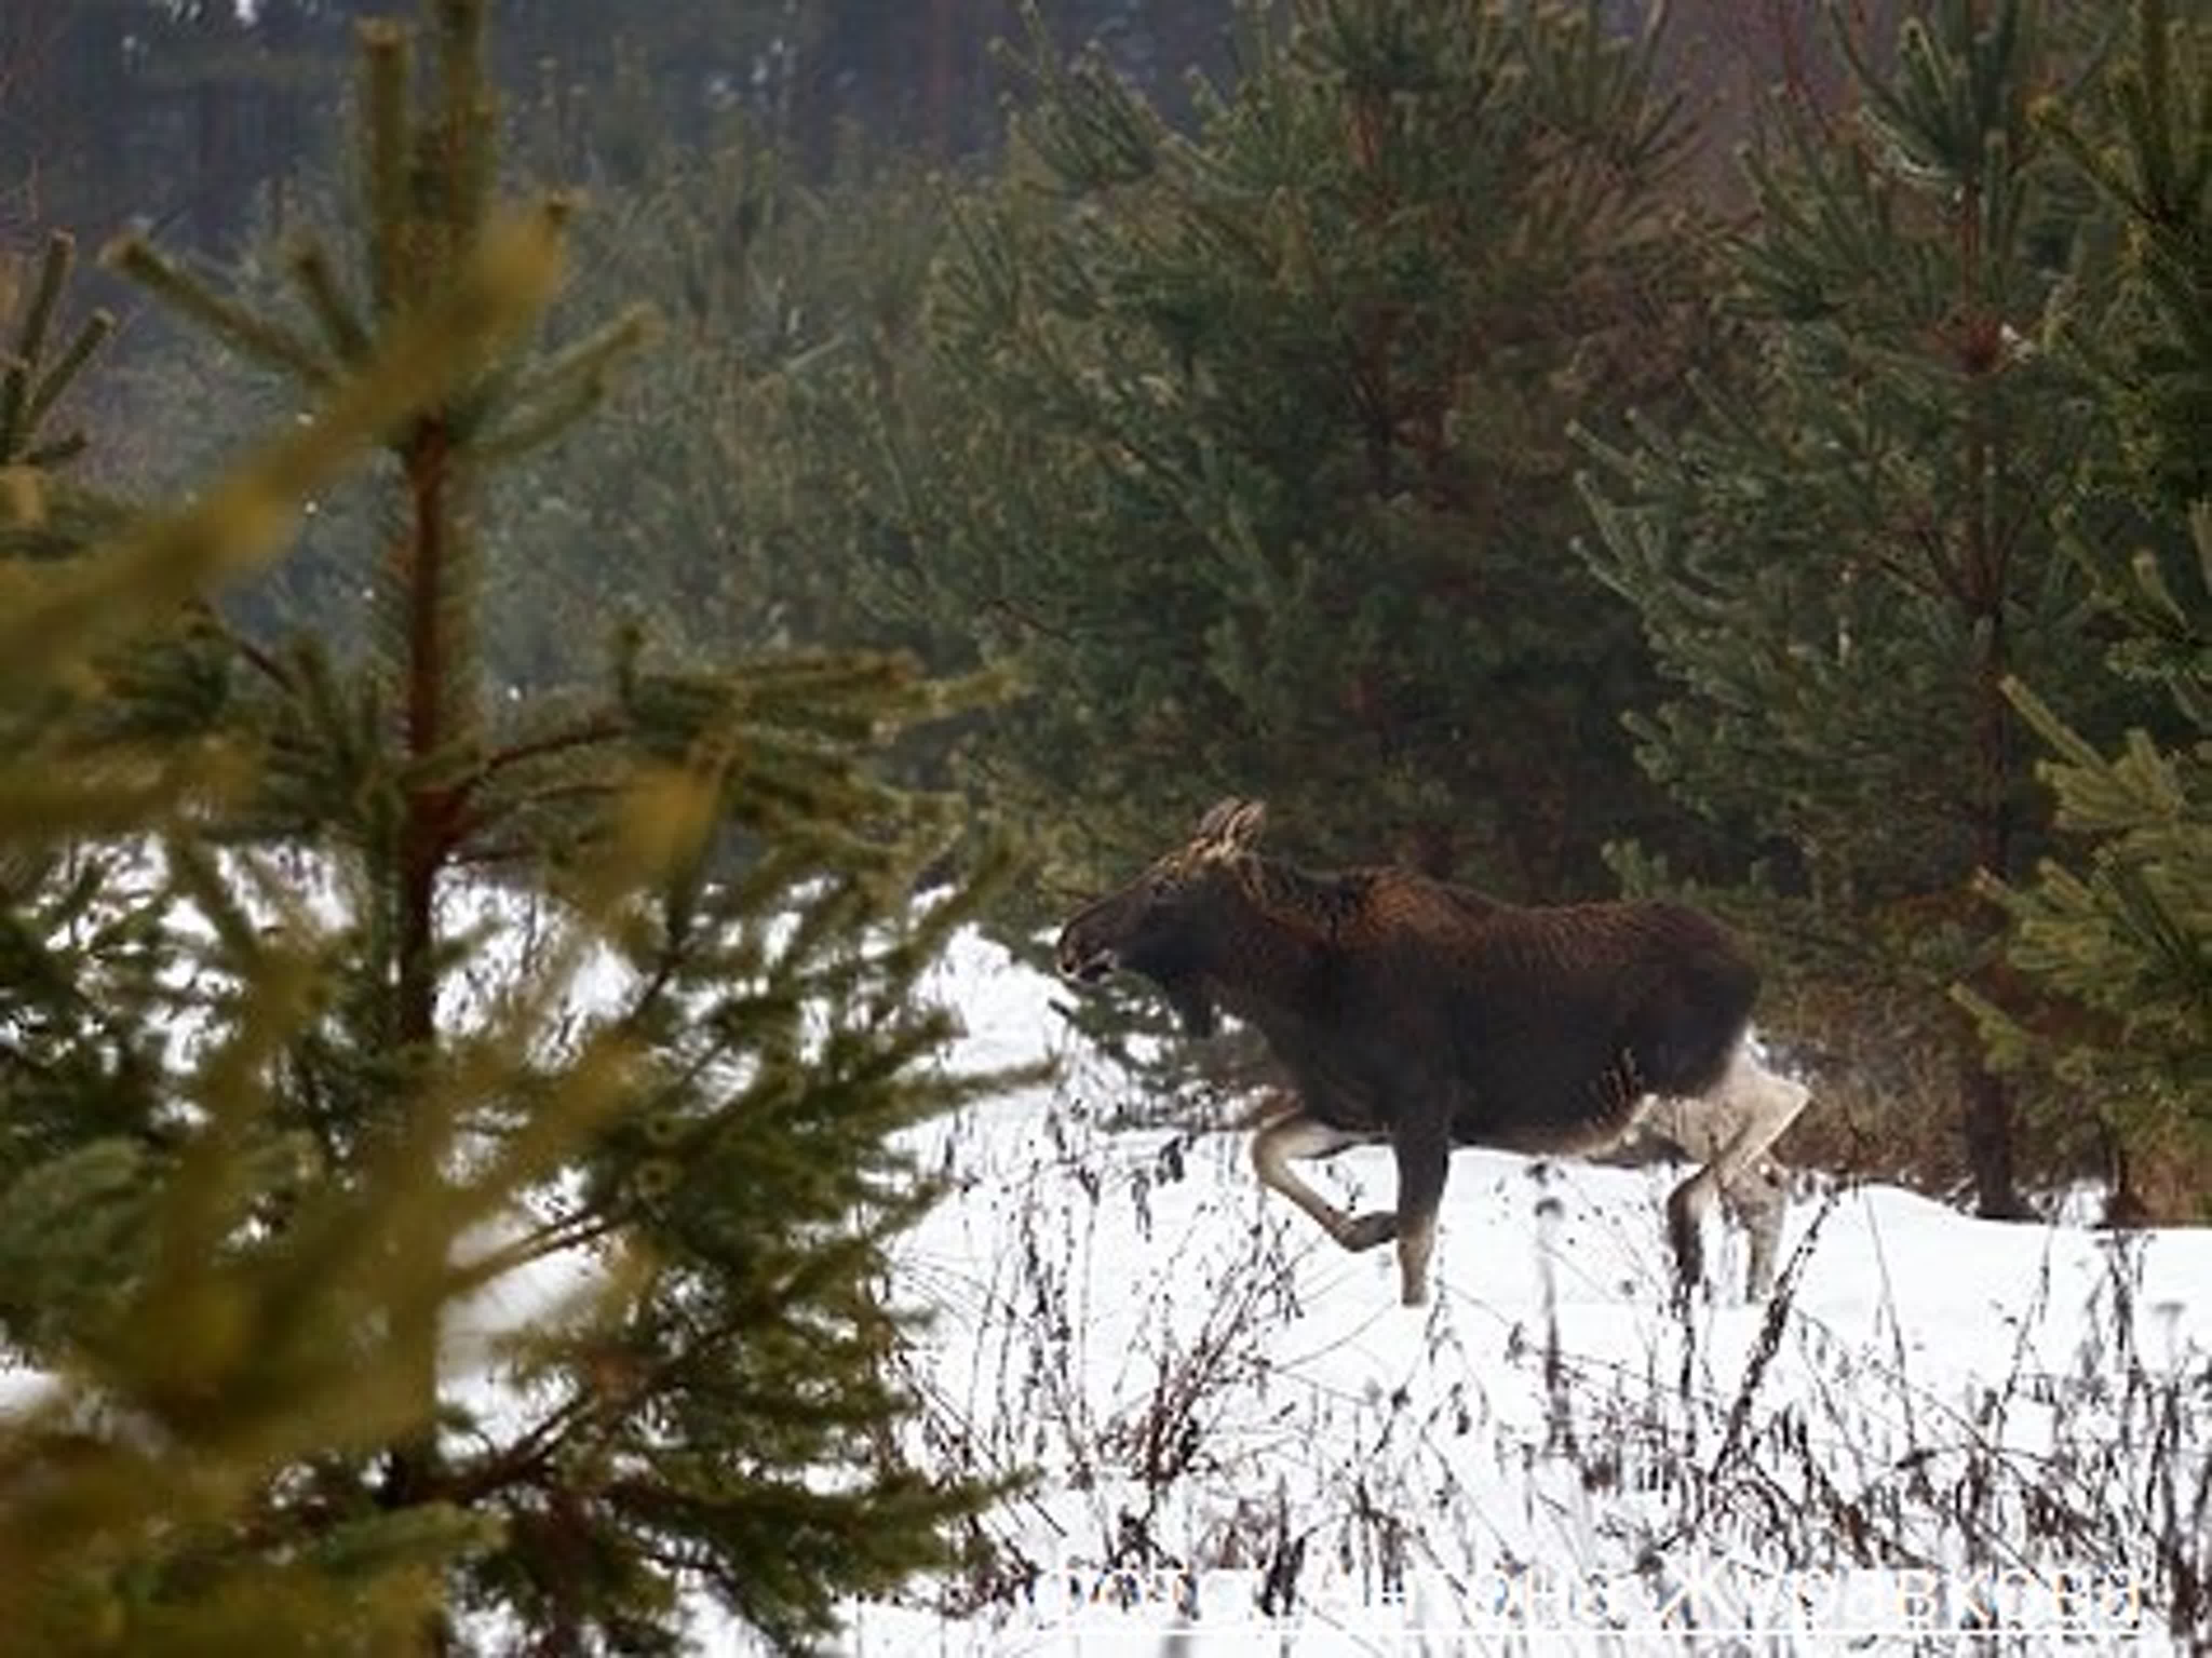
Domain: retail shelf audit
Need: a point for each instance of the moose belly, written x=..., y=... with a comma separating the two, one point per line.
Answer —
x=1528, y=1126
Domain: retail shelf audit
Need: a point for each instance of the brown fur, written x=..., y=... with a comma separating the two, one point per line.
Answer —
x=1413, y=1011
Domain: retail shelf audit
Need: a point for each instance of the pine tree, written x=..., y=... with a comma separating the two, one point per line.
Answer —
x=369, y=990
x=181, y=1360
x=1246, y=449
x=2127, y=932
x=706, y=501
x=1848, y=554
x=712, y=502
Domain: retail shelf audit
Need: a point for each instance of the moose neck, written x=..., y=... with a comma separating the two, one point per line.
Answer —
x=1315, y=905
x=1270, y=941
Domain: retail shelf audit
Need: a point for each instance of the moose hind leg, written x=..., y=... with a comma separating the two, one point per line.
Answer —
x=1757, y=1106
x=1297, y=1135
x=1757, y=1203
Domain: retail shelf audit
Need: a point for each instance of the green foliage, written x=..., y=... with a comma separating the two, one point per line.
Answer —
x=2125, y=931
x=363, y=996
x=45, y=514
x=710, y=503
x=30, y=385
x=2154, y=166
x=205, y=1316
x=1246, y=450
x=709, y=500
x=1843, y=558
x=2131, y=936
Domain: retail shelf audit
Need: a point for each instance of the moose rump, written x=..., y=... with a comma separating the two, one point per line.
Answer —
x=1554, y=1015
x=1425, y=1015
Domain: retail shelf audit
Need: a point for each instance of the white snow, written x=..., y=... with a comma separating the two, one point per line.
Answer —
x=1241, y=1442
x=1206, y=1389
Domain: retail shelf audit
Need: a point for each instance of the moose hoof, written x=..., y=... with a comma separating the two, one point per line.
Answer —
x=1368, y=1231
x=1759, y=1281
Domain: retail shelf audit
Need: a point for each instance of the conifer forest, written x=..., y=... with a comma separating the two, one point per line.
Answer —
x=584, y=584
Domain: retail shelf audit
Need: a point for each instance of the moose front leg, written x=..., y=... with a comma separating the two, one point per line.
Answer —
x=1297, y=1135
x=1423, y=1144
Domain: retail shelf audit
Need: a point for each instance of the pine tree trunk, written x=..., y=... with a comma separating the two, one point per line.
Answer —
x=416, y=1465
x=1986, y=1099
x=1988, y=1114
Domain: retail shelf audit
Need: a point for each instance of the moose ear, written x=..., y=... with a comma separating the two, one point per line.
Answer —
x=1230, y=826
x=1242, y=829
x=1214, y=826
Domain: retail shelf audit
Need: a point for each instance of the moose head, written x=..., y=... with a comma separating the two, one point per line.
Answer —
x=1160, y=925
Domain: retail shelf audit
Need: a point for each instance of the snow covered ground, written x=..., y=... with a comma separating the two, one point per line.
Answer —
x=1242, y=1442
x=1239, y=1442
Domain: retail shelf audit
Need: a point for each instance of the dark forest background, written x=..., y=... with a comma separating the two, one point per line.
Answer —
x=1380, y=564
x=1761, y=458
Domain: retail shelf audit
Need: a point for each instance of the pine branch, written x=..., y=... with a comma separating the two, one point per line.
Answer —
x=383, y=116
x=57, y=452
x=94, y=332
x=521, y=1462
x=27, y=394
x=558, y=391
x=601, y=729
x=262, y=661
x=244, y=330
x=318, y=282
x=45, y=296
x=465, y=124
x=247, y=516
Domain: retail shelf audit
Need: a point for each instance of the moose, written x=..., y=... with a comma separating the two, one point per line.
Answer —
x=1425, y=1015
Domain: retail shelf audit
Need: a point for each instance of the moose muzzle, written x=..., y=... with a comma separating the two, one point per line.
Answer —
x=1082, y=960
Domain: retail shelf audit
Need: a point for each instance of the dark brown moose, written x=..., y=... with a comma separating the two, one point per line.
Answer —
x=1412, y=1012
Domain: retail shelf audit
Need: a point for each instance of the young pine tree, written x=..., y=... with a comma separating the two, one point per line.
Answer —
x=2124, y=928
x=1843, y=560
x=193, y=1319
x=402, y=996
x=1248, y=448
